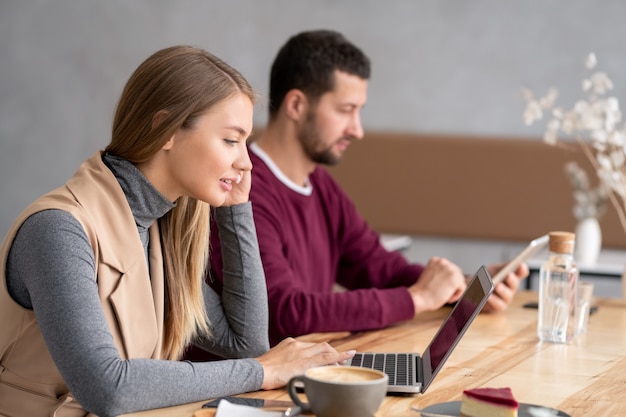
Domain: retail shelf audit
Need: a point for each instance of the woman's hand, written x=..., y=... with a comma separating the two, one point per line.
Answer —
x=291, y=357
x=240, y=192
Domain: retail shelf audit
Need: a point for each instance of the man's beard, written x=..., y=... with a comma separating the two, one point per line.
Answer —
x=310, y=139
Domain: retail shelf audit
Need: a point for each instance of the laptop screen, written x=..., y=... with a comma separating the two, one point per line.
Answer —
x=455, y=325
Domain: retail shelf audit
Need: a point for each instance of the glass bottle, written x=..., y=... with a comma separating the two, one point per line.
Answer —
x=558, y=288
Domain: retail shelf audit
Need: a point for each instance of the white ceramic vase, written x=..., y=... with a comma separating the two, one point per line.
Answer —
x=588, y=241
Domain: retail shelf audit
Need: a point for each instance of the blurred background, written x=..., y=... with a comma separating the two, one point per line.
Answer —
x=438, y=65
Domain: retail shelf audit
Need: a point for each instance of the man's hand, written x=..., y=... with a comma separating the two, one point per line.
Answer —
x=441, y=282
x=505, y=291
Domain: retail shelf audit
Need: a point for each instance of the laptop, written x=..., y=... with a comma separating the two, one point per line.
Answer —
x=412, y=372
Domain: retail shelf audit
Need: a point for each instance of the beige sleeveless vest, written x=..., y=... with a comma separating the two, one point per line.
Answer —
x=132, y=298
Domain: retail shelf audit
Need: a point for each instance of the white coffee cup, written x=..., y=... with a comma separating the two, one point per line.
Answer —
x=340, y=391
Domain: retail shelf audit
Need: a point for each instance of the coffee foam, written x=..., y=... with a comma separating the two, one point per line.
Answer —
x=343, y=374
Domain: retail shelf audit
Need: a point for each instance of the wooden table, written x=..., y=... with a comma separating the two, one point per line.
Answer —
x=585, y=378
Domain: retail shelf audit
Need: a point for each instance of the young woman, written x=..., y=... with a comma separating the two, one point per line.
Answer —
x=101, y=280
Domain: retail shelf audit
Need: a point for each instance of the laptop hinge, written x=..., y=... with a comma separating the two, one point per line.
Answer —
x=419, y=369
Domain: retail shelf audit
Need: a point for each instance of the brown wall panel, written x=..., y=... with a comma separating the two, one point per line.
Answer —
x=463, y=186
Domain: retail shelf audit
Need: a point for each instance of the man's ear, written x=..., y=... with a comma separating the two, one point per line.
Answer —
x=296, y=104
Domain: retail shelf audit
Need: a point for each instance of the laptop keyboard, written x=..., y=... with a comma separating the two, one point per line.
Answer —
x=396, y=365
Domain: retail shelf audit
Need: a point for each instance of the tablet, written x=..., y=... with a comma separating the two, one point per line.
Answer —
x=533, y=248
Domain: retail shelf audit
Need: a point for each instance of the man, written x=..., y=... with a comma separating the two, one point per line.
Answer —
x=310, y=234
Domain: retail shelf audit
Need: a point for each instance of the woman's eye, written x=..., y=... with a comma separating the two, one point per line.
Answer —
x=231, y=142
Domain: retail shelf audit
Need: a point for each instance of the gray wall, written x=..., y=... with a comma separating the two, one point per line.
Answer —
x=439, y=65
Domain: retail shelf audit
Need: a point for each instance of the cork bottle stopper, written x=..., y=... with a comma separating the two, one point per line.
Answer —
x=562, y=242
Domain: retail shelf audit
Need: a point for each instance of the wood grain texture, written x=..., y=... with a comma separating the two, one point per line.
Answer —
x=585, y=378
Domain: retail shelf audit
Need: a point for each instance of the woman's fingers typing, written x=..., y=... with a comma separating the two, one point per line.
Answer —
x=291, y=357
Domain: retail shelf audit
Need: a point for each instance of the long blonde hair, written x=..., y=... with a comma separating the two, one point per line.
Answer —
x=178, y=84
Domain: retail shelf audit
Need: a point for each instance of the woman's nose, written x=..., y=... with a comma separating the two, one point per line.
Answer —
x=243, y=162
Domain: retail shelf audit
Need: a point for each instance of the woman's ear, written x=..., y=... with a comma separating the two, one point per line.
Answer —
x=296, y=104
x=168, y=145
x=157, y=119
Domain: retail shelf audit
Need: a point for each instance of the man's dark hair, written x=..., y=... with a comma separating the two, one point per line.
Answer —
x=308, y=61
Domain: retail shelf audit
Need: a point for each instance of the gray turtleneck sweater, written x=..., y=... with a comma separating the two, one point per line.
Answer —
x=51, y=247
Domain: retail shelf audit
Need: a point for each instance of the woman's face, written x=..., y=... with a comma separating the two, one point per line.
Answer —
x=208, y=161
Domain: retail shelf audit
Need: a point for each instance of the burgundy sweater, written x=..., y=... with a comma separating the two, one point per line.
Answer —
x=310, y=242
